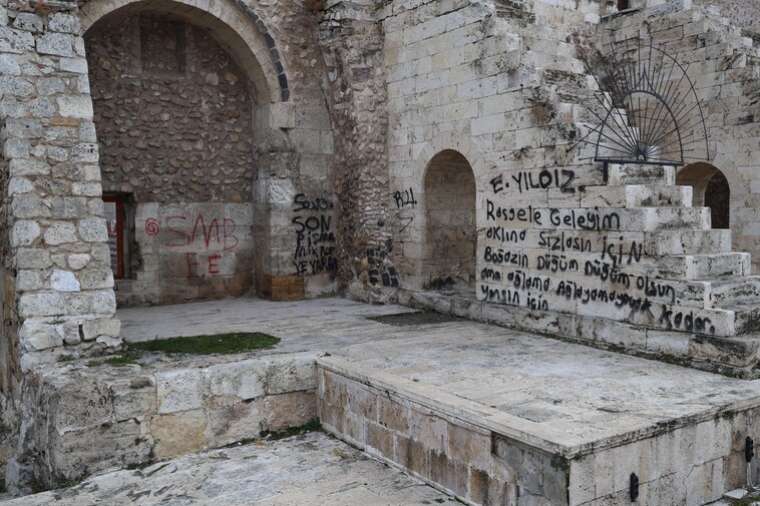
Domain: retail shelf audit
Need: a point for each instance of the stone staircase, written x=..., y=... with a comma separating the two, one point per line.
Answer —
x=682, y=293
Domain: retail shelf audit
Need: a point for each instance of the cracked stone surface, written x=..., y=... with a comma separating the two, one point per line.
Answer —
x=302, y=470
x=564, y=391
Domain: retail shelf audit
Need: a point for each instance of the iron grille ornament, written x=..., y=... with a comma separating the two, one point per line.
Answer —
x=647, y=108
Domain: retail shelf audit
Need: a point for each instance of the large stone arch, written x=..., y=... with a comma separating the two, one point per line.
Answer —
x=178, y=181
x=243, y=33
x=292, y=132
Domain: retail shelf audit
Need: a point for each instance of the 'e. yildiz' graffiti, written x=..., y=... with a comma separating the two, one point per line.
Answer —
x=529, y=180
x=315, y=237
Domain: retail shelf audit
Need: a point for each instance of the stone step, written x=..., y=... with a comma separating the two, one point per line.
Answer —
x=655, y=244
x=689, y=242
x=585, y=299
x=641, y=174
x=600, y=219
x=631, y=261
x=747, y=319
x=663, y=291
x=646, y=195
x=731, y=292
x=744, y=290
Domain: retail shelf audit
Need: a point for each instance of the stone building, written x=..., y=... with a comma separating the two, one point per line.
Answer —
x=420, y=152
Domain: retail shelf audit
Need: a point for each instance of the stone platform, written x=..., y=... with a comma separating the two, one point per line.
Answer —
x=495, y=416
x=85, y=416
x=308, y=469
x=487, y=414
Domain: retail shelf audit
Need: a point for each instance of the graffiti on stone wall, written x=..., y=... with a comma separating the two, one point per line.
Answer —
x=204, y=240
x=315, y=236
x=381, y=269
x=572, y=259
x=404, y=201
x=525, y=181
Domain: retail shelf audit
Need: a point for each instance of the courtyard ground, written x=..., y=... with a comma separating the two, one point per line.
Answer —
x=385, y=376
x=309, y=469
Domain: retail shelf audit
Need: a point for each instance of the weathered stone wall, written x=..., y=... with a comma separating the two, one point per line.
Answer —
x=723, y=61
x=740, y=12
x=618, y=248
x=352, y=42
x=78, y=419
x=279, y=160
x=175, y=124
x=172, y=111
x=479, y=79
x=57, y=269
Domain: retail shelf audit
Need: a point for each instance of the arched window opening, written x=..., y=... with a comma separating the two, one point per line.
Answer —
x=710, y=189
x=451, y=233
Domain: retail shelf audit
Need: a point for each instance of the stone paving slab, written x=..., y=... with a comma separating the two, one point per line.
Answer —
x=311, y=469
x=566, y=392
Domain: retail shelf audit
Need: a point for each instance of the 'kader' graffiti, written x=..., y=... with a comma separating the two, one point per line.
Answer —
x=589, y=261
x=315, y=237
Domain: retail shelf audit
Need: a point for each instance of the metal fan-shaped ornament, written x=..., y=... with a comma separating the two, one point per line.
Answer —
x=647, y=108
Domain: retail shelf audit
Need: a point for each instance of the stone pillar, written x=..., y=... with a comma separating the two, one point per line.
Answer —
x=58, y=281
x=352, y=40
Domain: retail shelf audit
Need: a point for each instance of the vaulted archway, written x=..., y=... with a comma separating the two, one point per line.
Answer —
x=176, y=92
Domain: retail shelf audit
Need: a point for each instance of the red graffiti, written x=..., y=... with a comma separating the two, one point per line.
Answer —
x=152, y=227
x=217, y=232
x=213, y=263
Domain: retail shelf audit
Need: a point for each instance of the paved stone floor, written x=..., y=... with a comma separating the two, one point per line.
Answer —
x=560, y=391
x=304, y=325
x=312, y=469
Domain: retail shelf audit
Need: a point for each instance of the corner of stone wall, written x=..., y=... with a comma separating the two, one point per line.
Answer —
x=56, y=251
x=57, y=285
x=352, y=41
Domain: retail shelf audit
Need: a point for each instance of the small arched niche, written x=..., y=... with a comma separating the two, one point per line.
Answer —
x=450, y=231
x=711, y=189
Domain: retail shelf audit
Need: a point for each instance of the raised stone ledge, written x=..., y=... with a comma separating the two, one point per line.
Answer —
x=81, y=418
x=473, y=448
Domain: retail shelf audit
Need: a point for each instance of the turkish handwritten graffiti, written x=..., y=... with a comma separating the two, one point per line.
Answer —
x=574, y=259
x=315, y=237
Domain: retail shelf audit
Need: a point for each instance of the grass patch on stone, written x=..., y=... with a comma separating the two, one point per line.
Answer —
x=218, y=344
x=116, y=360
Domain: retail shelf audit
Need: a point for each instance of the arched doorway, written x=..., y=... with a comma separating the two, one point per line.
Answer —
x=710, y=189
x=174, y=114
x=451, y=233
